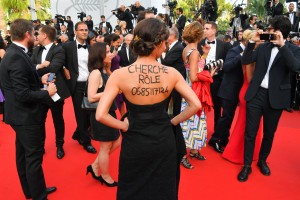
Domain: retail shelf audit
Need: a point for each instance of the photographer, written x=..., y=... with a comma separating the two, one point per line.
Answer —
x=89, y=22
x=210, y=10
x=293, y=18
x=238, y=22
x=123, y=14
x=70, y=28
x=136, y=9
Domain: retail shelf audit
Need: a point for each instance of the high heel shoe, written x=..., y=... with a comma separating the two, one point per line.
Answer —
x=197, y=155
x=101, y=179
x=89, y=169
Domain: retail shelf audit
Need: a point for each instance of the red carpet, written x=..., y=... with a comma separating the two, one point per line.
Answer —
x=214, y=178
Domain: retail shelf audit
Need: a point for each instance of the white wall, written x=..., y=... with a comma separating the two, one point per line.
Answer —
x=96, y=8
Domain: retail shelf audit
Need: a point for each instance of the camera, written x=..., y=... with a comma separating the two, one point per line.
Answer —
x=81, y=15
x=116, y=11
x=153, y=9
x=171, y=5
x=60, y=18
x=267, y=36
x=214, y=64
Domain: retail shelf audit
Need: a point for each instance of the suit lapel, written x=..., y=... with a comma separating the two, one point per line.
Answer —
x=219, y=48
x=170, y=51
x=49, y=54
x=75, y=57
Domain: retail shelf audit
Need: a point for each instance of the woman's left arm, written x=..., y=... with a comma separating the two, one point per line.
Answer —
x=102, y=113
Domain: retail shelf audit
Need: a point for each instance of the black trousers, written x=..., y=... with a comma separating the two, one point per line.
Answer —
x=214, y=88
x=225, y=120
x=29, y=158
x=58, y=121
x=82, y=116
x=259, y=107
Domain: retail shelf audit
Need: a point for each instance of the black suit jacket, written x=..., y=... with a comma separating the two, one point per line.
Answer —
x=277, y=10
x=108, y=25
x=21, y=86
x=295, y=21
x=221, y=50
x=233, y=75
x=56, y=57
x=181, y=23
x=123, y=56
x=71, y=63
x=174, y=59
x=288, y=58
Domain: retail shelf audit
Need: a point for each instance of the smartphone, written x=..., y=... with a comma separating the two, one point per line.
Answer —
x=112, y=48
x=267, y=36
x=51, y=77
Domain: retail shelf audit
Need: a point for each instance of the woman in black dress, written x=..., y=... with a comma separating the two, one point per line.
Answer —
x=148, y=164
x=109, y=138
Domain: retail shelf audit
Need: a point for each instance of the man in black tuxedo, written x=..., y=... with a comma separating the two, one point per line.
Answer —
x=218, y=50
x=180, y=22
x=125, y=15
x=293, y=18
x=229, y=94
x=127, y=56
x=76, y=62
x=269, y=91
x=173, y=58
x=49, y=58
x=277, y=8
x=104, y=23
x=25, y=107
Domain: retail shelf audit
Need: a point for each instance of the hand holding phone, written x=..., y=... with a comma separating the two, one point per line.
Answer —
x=51, y=77
x=267, y=36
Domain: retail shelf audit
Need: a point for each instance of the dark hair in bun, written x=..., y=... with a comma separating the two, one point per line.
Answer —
x=147, y=34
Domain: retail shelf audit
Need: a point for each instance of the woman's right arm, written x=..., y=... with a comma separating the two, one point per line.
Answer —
x=189, y=95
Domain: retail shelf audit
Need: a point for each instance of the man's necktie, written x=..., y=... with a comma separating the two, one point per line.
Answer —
x=43, y=48
x=82, y=46
x=212, y=42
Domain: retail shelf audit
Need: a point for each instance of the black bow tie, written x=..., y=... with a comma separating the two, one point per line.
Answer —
x=43, y=48
x=274, y=45
x=82, y=46
x=212, y=42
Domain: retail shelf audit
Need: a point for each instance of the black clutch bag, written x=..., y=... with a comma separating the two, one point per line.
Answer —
x=86, y=105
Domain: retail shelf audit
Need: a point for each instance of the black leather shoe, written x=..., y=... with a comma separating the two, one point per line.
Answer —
x=216, y=145
x=264, y=169
x=60, y=153
x=243, y=175
x=76, y=137
x=50, y=190
x=89, y=148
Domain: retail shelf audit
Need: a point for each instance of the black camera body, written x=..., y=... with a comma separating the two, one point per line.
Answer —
x=60, y=18
x=116, y=11
x=81, y=15
x=153, y=9
x=171, y=5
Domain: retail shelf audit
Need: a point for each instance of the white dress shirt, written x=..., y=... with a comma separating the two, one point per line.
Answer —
x=265, y=81
x=82, y=55
x=211, y=56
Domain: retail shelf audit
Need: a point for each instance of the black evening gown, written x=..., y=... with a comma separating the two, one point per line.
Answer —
x=147, y=167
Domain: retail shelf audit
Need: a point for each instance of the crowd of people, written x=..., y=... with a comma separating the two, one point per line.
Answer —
x=163, y=78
